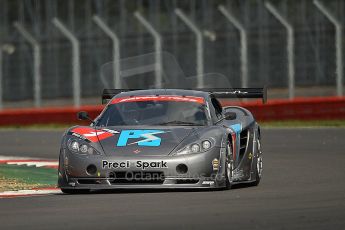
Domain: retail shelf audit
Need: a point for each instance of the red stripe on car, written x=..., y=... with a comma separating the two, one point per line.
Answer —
x=233, y=135
x=159, y=98
x=91, y=134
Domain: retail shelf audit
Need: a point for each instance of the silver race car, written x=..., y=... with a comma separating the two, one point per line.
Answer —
x=163, y=138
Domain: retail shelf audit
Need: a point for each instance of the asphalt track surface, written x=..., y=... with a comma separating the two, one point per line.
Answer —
x=303, y=188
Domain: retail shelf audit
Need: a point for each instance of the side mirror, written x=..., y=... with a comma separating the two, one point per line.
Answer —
x=230, y=116
x=82, y=115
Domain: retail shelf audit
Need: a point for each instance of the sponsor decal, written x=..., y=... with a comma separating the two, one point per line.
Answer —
x=215, y=164
x=136, y=151
x=238, y=174
x=137, y=164
x=111, y=131
x=115, y=164
x=208, y=182
x=250, y=156
x=93, y=135
x=159, y=98
x=238, y=92
x=79, y=136
x=146, y=137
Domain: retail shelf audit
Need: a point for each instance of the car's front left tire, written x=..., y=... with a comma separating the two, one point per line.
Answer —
x=258, y=166
x=229, y=167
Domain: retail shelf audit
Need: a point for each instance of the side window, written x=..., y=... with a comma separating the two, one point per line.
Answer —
x=217, y=107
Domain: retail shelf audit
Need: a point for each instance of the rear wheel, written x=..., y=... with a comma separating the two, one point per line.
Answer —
x=75, y=191
x=229, y=167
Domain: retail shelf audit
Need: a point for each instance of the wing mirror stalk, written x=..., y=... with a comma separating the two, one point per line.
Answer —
x=84, y=116
x=228, y=116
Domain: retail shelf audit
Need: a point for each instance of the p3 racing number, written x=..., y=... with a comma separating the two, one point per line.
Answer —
x=144, y=137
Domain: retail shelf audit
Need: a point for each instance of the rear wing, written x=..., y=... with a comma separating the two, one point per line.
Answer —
x=240, y=93
x=108, y=94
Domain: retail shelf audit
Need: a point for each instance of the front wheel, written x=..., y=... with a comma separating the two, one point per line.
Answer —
x=258, y=166
x=229, y=167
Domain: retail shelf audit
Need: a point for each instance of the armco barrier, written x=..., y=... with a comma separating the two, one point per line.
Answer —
x=298, y=109
x=323, y=108
x=46, y=115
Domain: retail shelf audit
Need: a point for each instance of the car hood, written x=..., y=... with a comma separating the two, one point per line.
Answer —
x=132, y=140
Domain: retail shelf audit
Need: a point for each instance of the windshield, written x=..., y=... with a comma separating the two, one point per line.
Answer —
x=155, y=110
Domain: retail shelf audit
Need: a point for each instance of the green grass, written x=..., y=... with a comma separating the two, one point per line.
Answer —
x=29, y=174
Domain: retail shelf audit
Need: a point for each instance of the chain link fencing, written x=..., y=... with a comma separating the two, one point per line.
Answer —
x=315, y=59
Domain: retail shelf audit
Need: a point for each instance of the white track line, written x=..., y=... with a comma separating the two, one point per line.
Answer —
x=35, y=163
x=33, y=192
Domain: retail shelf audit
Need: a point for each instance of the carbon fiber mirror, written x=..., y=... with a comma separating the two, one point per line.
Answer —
x=82, y=115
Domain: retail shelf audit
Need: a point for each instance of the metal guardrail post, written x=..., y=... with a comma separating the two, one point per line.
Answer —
x=158, y=47
x=37, y=62
x=199, y=46
x=338, y=44
x=290, y=48
x=75, y=59
x=116, y=49
x=244, y=43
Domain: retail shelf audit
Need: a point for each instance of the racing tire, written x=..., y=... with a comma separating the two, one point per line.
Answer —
x=229, y=167
x=75, y=191
x=258, y=166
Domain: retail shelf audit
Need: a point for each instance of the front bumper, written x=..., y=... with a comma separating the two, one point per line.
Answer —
x=162, y=172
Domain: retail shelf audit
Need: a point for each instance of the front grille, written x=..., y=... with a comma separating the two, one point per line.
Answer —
x=243, y=142
x=89, y=181
x=187, y=181
x=136, y=177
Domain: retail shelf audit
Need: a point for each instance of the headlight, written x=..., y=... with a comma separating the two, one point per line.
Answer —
x=196, y=147
x=74, y=146
x=206, y=144
x=84, y=148
x=81, y=147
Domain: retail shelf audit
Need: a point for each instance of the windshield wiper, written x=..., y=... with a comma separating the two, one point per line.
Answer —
x=179, y=123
